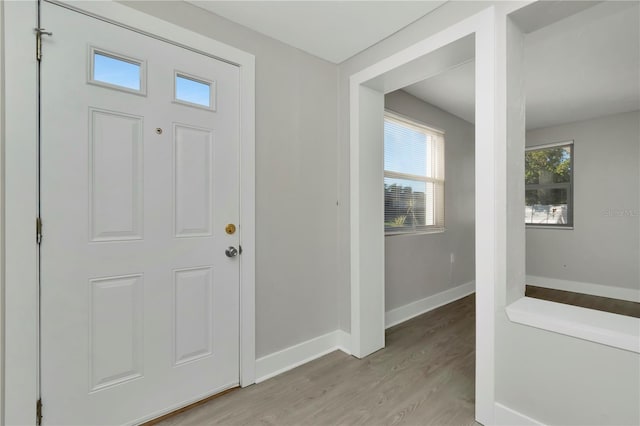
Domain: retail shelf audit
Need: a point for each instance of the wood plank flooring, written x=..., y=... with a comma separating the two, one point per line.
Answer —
x=425, y=376
x=615, y=306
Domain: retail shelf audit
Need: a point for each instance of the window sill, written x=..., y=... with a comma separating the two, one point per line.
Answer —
x=566, y=228
x=410, y=233
x=609, y=329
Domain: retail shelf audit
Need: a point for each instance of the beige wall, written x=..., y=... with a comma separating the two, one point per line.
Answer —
x=419, y=266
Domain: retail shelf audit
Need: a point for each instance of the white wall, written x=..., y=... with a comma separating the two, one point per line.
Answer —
x=603, y=248
x=296, y=212
x=419, y=266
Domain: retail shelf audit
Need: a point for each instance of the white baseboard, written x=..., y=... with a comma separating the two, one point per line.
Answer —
x=632, y=295
x=505, y=416
x=419, y=307
x=278, y=362
x=343, y=341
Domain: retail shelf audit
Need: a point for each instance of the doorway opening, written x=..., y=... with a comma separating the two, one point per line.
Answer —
x=429, y=217
x=429, y=190
x=470, y=42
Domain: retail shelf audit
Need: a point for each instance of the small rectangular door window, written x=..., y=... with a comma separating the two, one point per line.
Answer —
x=194, y=91
x=117, y=71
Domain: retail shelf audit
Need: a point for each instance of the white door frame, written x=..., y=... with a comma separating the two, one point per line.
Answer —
x=19, y=134
x=366, y=233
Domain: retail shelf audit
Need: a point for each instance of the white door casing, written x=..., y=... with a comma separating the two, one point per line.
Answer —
x=20, y=141
x=140, y=305
x=367, y=87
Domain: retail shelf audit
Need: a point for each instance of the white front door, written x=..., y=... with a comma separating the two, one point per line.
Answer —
x=139, y=179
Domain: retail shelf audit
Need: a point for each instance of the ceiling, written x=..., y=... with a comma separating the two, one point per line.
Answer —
x=584, y=66
x=331, y=30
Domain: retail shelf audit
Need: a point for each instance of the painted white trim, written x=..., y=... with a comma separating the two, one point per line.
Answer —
x=490, y=220
x=294, y=356
x=548, y=145
x=2, y=180
x=419, y=307
x=505, y=416
x=21, y=282
x=344, y=341
x=618, y=331
x=622, y=293
x=135, y=20
x=21, y=285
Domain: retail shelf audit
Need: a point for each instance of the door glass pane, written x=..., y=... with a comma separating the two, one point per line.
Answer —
x=405, y=204
x=119, y=72
x=193, y=91
x=547, y=206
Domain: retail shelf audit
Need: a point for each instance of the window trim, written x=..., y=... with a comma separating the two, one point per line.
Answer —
x=564, y=185
x=439, y=226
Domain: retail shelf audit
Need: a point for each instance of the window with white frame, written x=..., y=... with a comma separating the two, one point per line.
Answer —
x=413, y=176
x=549, y=185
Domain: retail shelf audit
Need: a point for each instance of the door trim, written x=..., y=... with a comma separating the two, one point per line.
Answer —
x=366, y=100
x=20, y=277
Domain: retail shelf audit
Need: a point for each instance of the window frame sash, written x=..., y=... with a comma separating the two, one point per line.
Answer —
x=560, y=185
x=437, y=143
x=407, y=176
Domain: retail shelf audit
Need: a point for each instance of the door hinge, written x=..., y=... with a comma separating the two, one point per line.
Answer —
x=38, y=230
x=39, y=412
x=39, y=33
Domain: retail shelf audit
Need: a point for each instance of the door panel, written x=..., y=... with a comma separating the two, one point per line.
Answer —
x=115, y=194
x=140, y=305
x=193, y=171
x=116, y=330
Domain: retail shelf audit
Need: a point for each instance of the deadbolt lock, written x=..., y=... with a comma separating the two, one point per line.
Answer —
x=230, y=229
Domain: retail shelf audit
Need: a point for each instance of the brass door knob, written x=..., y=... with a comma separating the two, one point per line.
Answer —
x=230, y=229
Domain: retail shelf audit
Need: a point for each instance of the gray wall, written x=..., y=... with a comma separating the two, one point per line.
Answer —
x=419, y=266
x=561, y=380
x=603, y=248
x=296, y=171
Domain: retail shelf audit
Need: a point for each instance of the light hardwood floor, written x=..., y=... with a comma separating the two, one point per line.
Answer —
x=425, y=376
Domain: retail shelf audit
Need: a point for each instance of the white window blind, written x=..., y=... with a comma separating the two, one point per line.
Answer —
x=413, y=176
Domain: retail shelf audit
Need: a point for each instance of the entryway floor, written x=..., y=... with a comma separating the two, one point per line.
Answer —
x=425, y=376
